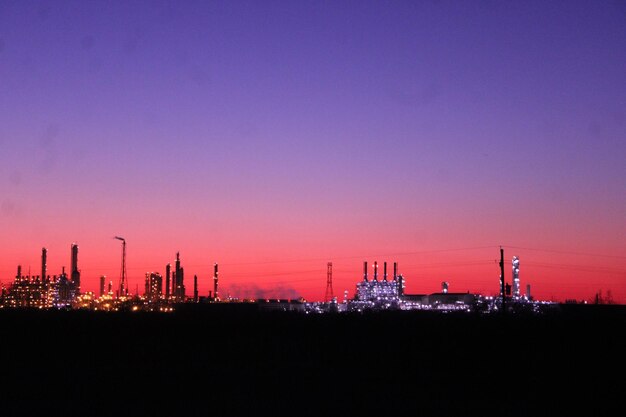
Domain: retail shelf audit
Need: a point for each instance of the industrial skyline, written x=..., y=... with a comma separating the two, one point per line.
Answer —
x=276, y=137
x=312, y=207
x=371, y=294
x=172, y=288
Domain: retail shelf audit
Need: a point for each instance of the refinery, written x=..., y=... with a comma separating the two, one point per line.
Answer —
x=168, y=293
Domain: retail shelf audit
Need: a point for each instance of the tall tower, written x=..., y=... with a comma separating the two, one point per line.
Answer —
x=375, y=270
x=365, y=271
x=168, y=269
x=215, y=294
x=102, y=281
x=195, y=288
x=44, y=264
x=177, y=276
x=75, y=277
x=329, y=283
x=516, y=288
x=123, y=290
x=502, y=286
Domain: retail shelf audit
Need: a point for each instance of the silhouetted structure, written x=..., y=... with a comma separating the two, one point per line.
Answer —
x=75, y=273
x=123, y=287
x=215, y=282
x=179, y=280
x=502, y=289
x=44, y=264
x=168, y=270
x=102, y=280
x=329, y=283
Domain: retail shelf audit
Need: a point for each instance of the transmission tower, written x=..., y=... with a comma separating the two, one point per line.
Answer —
x=123, y=283
x=329, y=283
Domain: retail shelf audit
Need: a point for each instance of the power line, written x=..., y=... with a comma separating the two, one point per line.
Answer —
x=565, y=252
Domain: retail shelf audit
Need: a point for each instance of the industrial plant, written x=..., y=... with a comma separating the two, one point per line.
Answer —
x=165, y=294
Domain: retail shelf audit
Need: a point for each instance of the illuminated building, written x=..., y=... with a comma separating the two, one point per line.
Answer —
x=451, y=301
x=377, y=294
x=154, y=286
x=27, y=291
x=65, y=291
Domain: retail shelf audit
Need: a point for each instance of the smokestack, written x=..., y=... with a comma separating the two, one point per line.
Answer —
x=375, y=270
x=395, y=271
x=44, y=264
x=168, y=268
x=528, y=291
x=110, y=287
x=19, y=271
x=176, y=284
x=365, y=271
x=102, y=279
x=385, y=271
x=75, y=273
x=195, y=288
x=182, y=284
x=215, y=293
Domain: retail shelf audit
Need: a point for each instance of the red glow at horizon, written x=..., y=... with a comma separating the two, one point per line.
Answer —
x=553, y=275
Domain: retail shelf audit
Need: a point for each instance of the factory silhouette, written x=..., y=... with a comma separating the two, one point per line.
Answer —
x=169, y=292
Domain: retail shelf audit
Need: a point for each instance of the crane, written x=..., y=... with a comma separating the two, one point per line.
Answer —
x=123, y=290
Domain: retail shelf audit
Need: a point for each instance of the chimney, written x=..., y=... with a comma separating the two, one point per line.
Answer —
x=395, y=271
x=44, y=261
x=365, y=271
x=375, y=270
x=215, y=281
x=385, y=271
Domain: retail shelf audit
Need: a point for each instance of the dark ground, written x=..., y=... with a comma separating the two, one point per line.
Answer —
x=212, y=362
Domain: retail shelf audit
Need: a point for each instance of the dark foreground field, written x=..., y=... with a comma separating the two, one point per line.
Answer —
x=211, y=362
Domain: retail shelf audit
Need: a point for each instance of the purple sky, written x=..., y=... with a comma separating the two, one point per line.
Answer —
x=337, y=127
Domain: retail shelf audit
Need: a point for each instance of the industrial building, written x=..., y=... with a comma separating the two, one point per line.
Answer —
x=389, y=294
x=153, y=287
x=43, y=291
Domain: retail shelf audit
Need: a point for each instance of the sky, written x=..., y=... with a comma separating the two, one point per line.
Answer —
x=273, y=137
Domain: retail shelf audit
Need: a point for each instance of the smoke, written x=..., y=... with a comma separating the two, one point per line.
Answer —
x=253, y=291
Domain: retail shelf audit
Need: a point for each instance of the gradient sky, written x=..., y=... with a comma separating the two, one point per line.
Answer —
x=272, y=137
